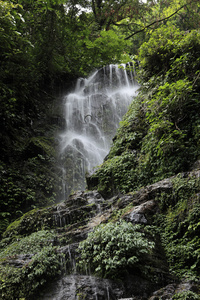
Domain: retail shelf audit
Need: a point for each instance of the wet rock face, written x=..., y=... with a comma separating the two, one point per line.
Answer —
x=76, y=210
x=73, y=287
x=73, y=219
x=167, y=292
x=139, y=213
x=19, y=260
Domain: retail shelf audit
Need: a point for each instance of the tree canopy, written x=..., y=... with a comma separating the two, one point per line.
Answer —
x=68, y=37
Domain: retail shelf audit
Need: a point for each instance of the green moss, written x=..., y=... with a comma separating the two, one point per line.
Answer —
x=25, y=281
x=38, y=262
x=15, y=227
x=44, y=145
x=117, y=174
x=31, y=221
x=81, y=296
x=180, y=227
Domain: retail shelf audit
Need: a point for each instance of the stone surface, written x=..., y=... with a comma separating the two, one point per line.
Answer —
x=168, y=291
x=75, y=286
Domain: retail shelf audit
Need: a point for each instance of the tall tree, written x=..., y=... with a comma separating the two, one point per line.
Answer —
x=107, y=13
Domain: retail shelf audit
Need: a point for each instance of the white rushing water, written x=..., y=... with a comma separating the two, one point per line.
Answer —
x=92, y=113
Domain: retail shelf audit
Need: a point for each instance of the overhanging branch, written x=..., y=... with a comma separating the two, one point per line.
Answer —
x=157, y=21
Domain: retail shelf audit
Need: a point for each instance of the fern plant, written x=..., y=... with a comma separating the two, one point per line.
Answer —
x=113, y=248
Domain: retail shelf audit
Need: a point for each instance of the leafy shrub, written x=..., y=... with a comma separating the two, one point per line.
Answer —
x=113, y=247
x=188, y=295
x=25, y=281
x=29, y=244
x=155, y=55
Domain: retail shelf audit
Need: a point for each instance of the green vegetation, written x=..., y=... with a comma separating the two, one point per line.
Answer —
x=29, y=244
x=39, y=262
x=179, y=226
x=114, y=248
x=189, y=295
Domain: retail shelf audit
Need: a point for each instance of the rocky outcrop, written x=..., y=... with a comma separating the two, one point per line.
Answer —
x=186, y=288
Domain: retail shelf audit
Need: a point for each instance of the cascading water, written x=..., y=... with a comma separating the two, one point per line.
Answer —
x=92, y=113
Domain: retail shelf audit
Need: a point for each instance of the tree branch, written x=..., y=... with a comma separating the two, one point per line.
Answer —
x=126, y=25
x=157, y=21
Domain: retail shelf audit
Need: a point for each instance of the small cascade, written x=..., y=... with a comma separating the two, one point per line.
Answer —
x=92, y=113
x=76, y=287
x=72, y=259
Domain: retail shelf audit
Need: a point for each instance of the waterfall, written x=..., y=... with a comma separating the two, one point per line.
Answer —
x=92, y=114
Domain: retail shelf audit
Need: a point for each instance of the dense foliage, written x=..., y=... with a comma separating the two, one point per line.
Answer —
x=189, y=295
x=114, y=248
x=31, y=274
x=179, y=226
